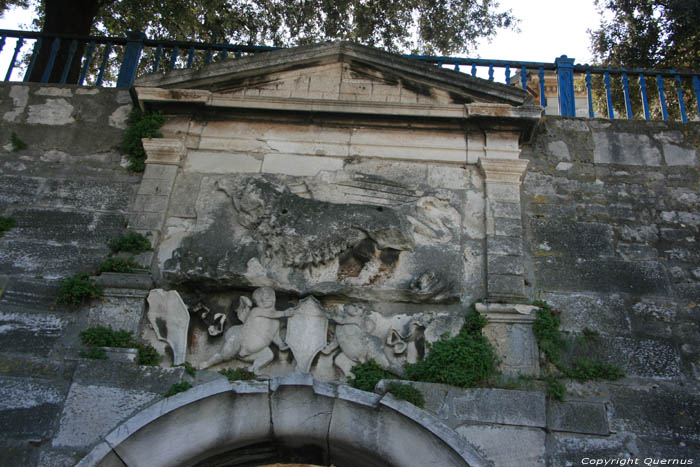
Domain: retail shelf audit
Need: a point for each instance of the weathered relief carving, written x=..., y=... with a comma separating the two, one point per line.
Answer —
x=170, y=320
x=255, y=232
x=251, y=341
x=306, y=332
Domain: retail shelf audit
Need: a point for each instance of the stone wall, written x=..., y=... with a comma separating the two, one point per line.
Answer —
x=610, y=215
x=612, y=222
x=69, y=193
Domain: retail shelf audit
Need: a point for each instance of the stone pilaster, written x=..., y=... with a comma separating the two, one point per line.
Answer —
x=504, y=242
x=509, y=330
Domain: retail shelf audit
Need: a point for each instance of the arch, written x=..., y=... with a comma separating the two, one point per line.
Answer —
x=218, y=419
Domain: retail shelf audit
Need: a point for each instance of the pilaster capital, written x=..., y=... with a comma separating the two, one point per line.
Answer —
x=165, y=151
x=507, y=171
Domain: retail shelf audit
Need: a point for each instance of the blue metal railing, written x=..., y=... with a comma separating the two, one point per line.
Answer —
x=121, y=59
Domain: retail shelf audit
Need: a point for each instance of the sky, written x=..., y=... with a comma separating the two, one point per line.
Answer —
x=548, y=29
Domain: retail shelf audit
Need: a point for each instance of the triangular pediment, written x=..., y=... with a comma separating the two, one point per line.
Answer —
x=338, y=71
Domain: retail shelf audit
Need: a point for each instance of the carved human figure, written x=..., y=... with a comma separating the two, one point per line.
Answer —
x=353, y=334
x=251, y=341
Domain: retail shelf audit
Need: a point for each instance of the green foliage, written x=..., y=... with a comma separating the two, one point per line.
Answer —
x=546, y=329
x=238, y=374
x=474, y=322
x=130, y=242
x=555, y=388
x=189, y=369
x=367, y=375
x=6, y=223
x=17, y=144
x=101, y=336
x=406, y=393
x=76, y=289
x=119, y=265
x=94, y=353
x=148, y=355
x=140, y=124
x=583, y=370
x=178, y=388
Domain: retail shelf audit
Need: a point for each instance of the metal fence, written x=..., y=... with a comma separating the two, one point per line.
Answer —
x=579, y=90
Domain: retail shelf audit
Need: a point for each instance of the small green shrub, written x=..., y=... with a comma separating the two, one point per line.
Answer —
x=130, y=242
x=119, y=265
x=547, y=334
x=6, y=223
x=238, y=374
x=140, y=125
x=555, y=388
x=464, y=361
x=406, y=393
x=101, y=336
x=94, y=353
x=17, y=144
x=77, y=289
x=148, y=355
x=177, y=388
x=367, y=375
x=583, y=370
x=189, y=369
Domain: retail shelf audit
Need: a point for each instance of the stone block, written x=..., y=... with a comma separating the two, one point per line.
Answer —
x=151, y=203
x=625, y=149
x=668, y=411
x=160, y=172
x=500, y=264
x=501, y=286
x=503, y=192
x=222, y=162
x=48, y=260
x=124, y=375
x=90, y=412
x=677, y=155
x=559, y=150
x=500, y=406
x=582, y=239
x=578, y=417
x=503, y=209
x=117, y=313
x=31, y=332
x=19, y=190
x=574, y=449
x=89, y=195
x=507, y=227
x=146, y=220
x=53, y=112
x=601, y=276
x=509, y=246
x=507, y=446
x=452, y=178
x=604, y=313
x=289, y=164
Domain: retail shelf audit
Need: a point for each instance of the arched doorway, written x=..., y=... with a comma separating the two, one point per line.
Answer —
x=287, y=420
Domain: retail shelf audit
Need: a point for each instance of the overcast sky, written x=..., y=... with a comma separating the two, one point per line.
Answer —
x=548, y=29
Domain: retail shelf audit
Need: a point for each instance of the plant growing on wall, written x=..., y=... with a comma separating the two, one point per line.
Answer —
x=130, y=242
x=6, y=223
x=119, y=265
x=77, y=289
x=101, y=336
x=140, y=124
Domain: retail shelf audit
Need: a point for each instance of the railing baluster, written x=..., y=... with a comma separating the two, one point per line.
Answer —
x=190, y=57
x=523, y=77
x=645, y=101
x=696, y=88
x=207, y=57
x=439, y=64
x=589, y=90
x=18, y=45
x=662, y=96
x=543, y=98
x=2, y=43
x=565, y=86
x=105, y=59
x=681, y=101
x=86, y=64
x=473, y=70
x=491, y=72
x=156, y=63
x=69, y=60
x=456, y=66
x=626, y=89
x=173, y=58
x=224, y=53
x=55, y=45
x=507, y=74
x=608, y=95
x=32, y=61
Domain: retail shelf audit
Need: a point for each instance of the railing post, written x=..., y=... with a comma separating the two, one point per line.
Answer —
x=130, y=62
x=565, y=85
